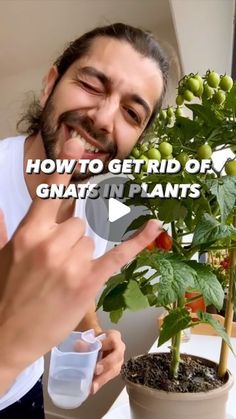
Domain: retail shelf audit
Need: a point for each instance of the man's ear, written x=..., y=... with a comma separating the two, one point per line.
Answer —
x=48, y=84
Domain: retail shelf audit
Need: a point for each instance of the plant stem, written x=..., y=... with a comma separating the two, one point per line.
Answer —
x=229, y=312
x=175, y=347
x=175, y=356
x=190, y=300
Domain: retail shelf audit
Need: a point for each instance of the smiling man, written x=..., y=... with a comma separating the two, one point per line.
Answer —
x=105, y=90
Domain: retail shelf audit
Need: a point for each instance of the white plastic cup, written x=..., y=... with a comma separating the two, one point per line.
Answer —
x=71, y=370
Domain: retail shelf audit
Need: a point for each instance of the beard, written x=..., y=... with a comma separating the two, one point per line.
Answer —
x=50, y=133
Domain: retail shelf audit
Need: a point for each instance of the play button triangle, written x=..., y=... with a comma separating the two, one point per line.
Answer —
x=116, y=210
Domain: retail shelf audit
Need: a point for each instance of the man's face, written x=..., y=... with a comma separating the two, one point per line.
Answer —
x=106, y=99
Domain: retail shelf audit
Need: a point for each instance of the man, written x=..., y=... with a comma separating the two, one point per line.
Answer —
x=104, y=90
x=30, y=279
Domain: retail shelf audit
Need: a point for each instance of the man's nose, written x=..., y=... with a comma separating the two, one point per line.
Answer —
x=103, y=115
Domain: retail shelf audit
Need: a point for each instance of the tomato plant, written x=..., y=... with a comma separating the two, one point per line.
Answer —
x=199, y=225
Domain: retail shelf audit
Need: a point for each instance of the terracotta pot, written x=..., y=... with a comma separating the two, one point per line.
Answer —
x=195, y=305
x=148, y=403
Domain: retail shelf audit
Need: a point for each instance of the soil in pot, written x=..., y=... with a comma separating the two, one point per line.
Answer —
x=152, y=370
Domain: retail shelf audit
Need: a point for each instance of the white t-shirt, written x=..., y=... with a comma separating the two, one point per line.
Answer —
x=15, y=201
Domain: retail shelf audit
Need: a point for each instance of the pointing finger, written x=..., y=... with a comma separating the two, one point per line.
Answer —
x=48, y=209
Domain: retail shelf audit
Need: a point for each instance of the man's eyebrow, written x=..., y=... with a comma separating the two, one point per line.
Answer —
x=92, y=71
x=138, y=99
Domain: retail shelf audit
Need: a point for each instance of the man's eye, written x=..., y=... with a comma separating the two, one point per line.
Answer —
x=133, y=115
x=89, y=87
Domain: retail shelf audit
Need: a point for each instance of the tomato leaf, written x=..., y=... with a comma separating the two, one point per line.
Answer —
x=186, y=128
x=225, y=191
x=115, y=299
x=116, y=315
x=171, y=210
x=139, y=222
x=176, y=277
x=134, y=298
x=177, y=320
x=230, y=102
x=208, y=115
x=209, y=230
x=207, y=318
x=207, y=283
x=110, y=285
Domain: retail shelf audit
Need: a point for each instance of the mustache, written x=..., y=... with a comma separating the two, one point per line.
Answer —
x=75, y=118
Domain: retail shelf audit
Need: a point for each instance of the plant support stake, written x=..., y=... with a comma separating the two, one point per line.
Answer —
x=229, y=312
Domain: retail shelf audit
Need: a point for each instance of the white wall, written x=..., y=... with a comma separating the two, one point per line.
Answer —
x=15, y=90
x=204, y=30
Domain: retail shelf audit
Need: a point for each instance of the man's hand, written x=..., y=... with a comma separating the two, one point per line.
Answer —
x=113, y=357
x=44, y=290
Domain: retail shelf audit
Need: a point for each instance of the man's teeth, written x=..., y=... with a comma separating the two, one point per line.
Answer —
x=87, y=146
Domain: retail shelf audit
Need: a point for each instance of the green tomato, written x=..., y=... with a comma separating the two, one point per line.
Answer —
x=188, y=95
x=208, y=91
x=145, y=166
x=226, y=83
x=178, y=112
x=165, y=149
x=200, y=91
x=182, y=158
x=163, y=115
x=179, y=100
x=230, y=168
x=153, y=153
x=213, y=79
x=169, y=157
x=204, y=151
x=193, y=85
x=199, y=78
x=170, y=112
x=219, y=97
x=135, y=152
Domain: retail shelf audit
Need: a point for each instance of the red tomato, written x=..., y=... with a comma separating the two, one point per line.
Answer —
x=164, y=241
x=225, y=263
x=151, y=245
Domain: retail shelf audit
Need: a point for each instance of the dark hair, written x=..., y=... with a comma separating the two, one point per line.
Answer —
x=142, y=41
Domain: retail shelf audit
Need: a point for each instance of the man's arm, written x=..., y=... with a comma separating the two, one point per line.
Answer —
x=90, y=321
